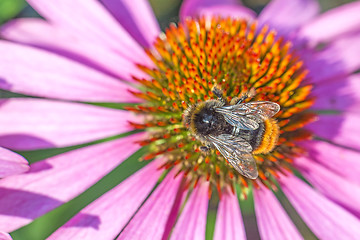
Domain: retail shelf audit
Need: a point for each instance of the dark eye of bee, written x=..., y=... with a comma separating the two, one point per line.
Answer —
x=207, y=119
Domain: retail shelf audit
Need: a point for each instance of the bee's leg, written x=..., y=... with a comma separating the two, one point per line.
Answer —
x=246, y=95
x=205, y=149
x=242, y=99
x=235, y=101
x=219, y=93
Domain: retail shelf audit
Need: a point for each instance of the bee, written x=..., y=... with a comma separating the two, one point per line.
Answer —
x=238, y=130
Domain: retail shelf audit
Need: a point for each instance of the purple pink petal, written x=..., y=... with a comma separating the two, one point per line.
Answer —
x=335, y=187
x=41, y=34
x=326, y=219
x=338, y=59
x=50, y=123
x=233, y=11
x=31, y=71
x=273, y=221
x=105, y=217
x=192, y=221
x=286, y=16
x=332, y=24
x=344, y=95
x=150, y=221
x=346, y=51
x=11, y=163
x=56, y=180
x=4, y=236
x=89, y=20
x=343, y=162
x=137, y=18
x=344, y=129
x=229, y=223
x=191, y=7
x=178, y=203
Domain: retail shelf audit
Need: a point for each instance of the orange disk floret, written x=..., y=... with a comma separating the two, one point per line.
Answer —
x=191, y=58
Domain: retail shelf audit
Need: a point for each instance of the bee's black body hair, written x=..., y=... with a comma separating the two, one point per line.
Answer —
x=203, y=120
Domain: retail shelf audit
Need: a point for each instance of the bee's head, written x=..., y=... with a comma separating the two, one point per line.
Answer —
x=204, y=120
x=201, y=118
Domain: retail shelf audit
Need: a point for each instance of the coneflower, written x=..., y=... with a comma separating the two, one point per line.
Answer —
x=87, y=54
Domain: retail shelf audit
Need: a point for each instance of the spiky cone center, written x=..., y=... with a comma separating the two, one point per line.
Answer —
x=236, y=56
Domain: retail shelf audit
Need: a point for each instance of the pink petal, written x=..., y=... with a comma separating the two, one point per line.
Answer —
x=349, y=48
x=273, y=222
x=137, y=18
x=343, y=129
x=229, y=223
x=326, y=219
x=192, y=7
x=55, y=181
x=150, y=221
x=89, y=20
x=112, y=210
x=11, y=163
x=333, y=24
x=50, y=123
x=337, y=60
x=344, y=94
x=192, y=221
x=286, y=16
x=178, y=203
x=342, y=161
x=233, y=11
x=35, y=72
x=41, y=34
x=335, y=187
x=5, y=236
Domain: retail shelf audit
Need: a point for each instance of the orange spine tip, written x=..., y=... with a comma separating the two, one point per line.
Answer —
x=196, y=167
x=208, y=175
x=149, y=156
x=217, y=169
x=196, y=182
x=175, y=106
x=209, y=192
x=232, y=189
x=262, y=175
x=137, y=125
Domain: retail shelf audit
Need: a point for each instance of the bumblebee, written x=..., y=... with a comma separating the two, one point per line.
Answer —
x=238, y=130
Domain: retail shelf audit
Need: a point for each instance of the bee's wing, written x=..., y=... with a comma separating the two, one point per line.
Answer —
x=238, y=153
x=247, y=116
x=262, y=109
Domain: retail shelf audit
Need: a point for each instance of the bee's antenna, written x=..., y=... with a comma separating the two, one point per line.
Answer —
x=219, y=93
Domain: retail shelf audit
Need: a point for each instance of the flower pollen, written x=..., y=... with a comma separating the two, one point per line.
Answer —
x=236, y=56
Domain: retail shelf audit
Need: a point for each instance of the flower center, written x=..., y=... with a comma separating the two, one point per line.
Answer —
x=235, y=56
